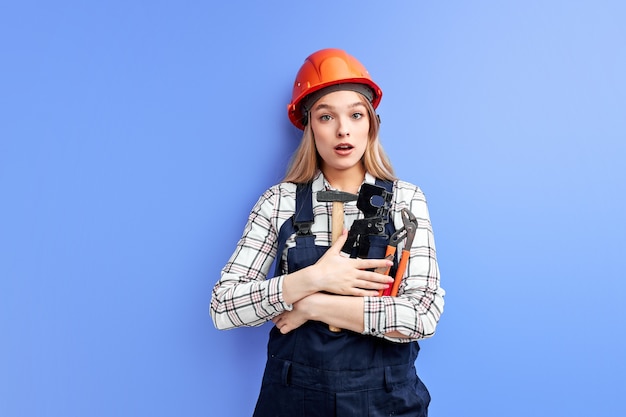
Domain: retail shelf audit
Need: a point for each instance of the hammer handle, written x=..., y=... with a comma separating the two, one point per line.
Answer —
x=337, y=220
x=337, y=229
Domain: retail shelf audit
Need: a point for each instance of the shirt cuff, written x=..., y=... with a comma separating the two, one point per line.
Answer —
x=376, y=315
x=275, y=294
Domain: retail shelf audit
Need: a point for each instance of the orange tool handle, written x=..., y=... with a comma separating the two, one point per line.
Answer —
x=400, y=272
x=391, y=250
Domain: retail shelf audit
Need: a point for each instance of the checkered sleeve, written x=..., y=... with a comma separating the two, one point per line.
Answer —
x=243, y=296
x=416, y=310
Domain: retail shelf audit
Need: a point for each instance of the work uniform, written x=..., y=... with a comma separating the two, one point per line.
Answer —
x=312, y=371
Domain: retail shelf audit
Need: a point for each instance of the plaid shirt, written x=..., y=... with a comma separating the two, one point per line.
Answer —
x=244, y=296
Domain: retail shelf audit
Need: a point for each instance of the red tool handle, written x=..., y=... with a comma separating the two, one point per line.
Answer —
x=400, y=272
x=391, y=250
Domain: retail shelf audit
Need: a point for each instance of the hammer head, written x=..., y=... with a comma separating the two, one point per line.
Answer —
x=334, y=195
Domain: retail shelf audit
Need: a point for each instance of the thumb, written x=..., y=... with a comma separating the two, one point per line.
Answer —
x=341, y=240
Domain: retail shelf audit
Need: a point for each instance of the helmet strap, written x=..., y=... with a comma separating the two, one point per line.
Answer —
x=311, y=99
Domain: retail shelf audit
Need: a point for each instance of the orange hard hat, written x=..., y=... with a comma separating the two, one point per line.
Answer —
x=325, y=68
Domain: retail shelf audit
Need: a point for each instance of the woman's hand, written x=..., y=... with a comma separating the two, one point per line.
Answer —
x=343, y=312
x=300, y=314
x=336, y=273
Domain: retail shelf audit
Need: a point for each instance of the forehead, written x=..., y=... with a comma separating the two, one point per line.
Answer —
x=338, y=99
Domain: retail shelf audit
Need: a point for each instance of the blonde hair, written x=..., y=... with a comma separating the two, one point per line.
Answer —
x=305, y=161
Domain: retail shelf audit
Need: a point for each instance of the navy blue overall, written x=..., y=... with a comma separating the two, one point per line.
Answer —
x=314, y=372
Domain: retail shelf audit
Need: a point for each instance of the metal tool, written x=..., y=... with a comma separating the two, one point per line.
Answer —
x=406, y=232
x=374, y=201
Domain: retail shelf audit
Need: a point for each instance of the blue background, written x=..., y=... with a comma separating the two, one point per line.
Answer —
x=135, y=136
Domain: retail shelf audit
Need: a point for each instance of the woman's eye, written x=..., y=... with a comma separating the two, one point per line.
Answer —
x=325, y=117
x=357, y=115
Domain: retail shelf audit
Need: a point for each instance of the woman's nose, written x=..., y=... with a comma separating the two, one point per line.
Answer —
x=342, y=129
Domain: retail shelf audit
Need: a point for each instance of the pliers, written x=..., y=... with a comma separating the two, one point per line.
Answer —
x=406, y=232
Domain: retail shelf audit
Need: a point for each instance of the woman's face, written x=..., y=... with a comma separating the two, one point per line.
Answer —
x=340, y=125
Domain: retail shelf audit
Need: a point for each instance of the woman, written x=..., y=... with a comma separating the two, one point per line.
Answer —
x=337, y=347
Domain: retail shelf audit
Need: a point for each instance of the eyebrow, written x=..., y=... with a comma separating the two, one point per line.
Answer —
x=322, y=106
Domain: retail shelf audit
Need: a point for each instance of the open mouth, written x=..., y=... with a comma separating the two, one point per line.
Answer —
x=344, y=147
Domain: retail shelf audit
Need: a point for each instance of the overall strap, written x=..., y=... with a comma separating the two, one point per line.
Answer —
x=386, y=184
x=303, y=218
x=300, y=223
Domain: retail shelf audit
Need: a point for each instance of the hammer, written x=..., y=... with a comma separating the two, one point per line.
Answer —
x=337, y=198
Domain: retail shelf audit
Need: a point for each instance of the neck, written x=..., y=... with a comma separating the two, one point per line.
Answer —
x=348, y=180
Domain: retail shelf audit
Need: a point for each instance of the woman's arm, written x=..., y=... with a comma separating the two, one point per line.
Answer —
x=243, y=297
x=411, y=316
x=415, y=312
x=335, y=273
